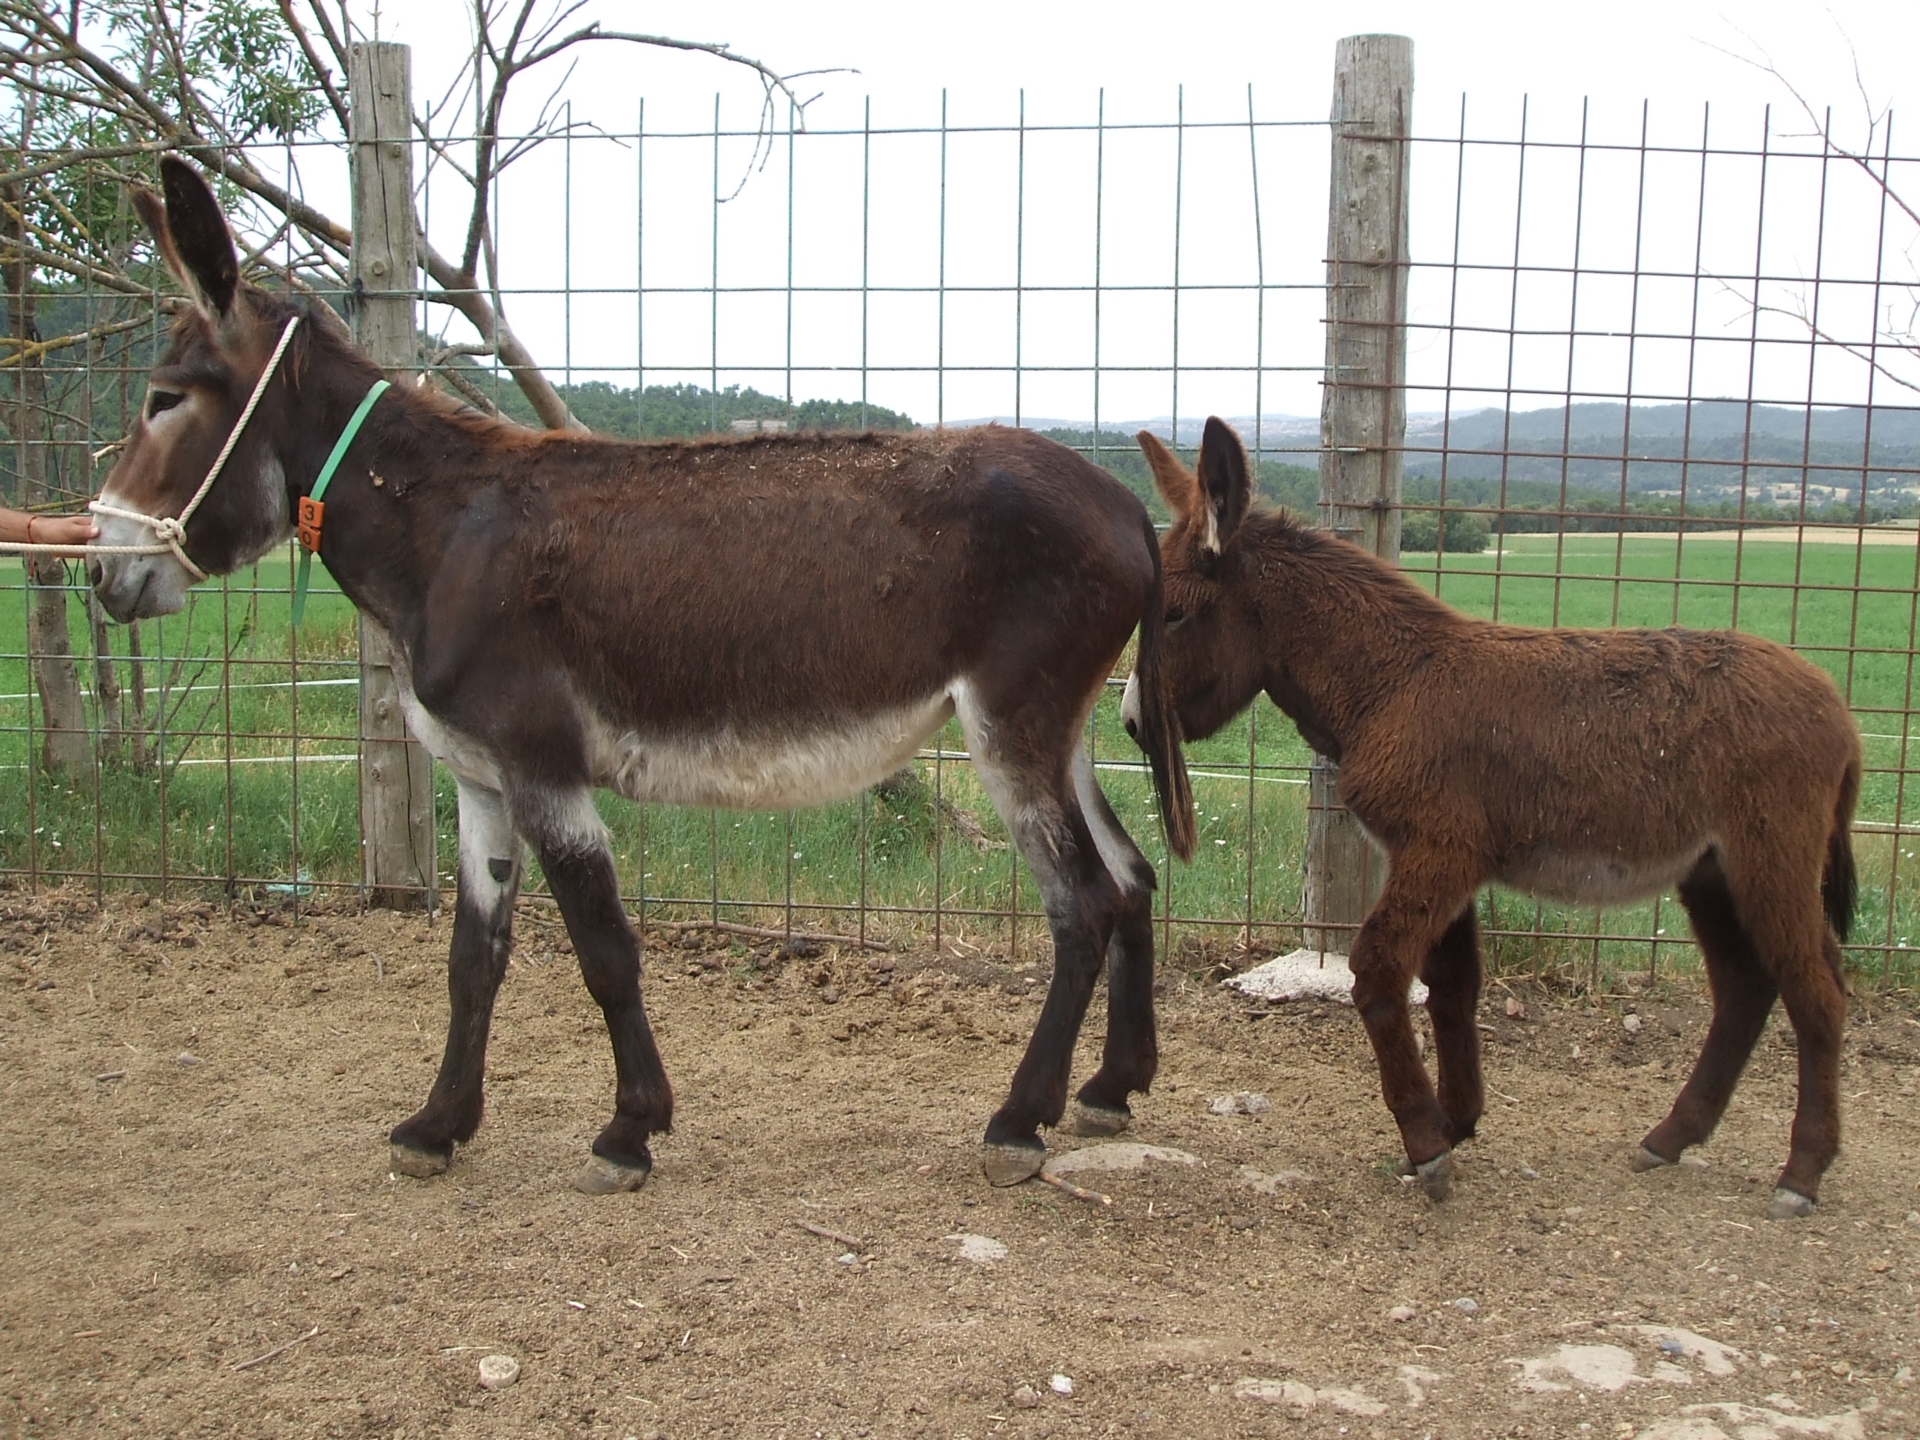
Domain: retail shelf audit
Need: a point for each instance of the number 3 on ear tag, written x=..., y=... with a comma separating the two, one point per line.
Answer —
x=312, y=512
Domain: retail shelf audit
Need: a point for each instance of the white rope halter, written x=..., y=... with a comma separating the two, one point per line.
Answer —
x=170, y=531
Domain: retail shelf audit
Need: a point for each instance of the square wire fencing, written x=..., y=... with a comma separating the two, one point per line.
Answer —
x=1654, y=374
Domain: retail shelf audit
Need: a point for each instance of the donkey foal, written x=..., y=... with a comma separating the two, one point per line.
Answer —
x=1594, y=766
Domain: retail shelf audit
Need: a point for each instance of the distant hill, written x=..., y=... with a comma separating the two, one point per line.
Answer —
x=1768, y=450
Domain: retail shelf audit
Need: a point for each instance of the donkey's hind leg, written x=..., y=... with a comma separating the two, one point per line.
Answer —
x=1035, y=797
x=1452, y=973
x=1743, y=993
x=1132, y=1052
x=490, y=860
x=579, y=867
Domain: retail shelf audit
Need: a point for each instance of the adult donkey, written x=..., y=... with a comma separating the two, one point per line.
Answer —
x=1584, y=765
x=763, y=623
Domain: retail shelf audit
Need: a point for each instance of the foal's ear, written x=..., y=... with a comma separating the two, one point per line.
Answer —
x=1172, y=479
x=192, y=236
x=1223, y=481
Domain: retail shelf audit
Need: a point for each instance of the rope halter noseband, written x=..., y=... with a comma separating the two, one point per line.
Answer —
x=171, y=530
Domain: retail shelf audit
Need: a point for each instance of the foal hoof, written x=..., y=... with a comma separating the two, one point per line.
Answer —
x=1644, y=1160
x=1789, y=1205
x=1010, y=1164
x=420, y=1164
x=609, y=1177
x=1099, y=1120
x=1435, y=1176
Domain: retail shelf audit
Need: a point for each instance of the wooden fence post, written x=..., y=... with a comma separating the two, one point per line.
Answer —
x=396, y=773
x=1363, y=412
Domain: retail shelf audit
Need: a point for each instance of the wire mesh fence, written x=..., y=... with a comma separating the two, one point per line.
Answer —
x=1656, y=375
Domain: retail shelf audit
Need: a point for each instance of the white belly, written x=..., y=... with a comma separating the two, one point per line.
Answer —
x=744, y=771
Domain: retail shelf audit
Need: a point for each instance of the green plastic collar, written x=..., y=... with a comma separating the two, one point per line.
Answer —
x=326, y=478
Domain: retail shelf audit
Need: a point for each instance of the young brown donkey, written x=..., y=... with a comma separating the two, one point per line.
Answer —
x=764, y=623
x=1583, y=765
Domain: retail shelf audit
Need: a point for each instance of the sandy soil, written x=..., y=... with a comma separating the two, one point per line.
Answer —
x=193, y=1177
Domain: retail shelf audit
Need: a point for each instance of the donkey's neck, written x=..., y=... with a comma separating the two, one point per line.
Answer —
x=382, y=527
x=1345, y=631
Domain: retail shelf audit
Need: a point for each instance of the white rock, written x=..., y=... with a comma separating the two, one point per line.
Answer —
x=498, y=1371
x=1631, y=1024
x=1276, y=1392
x=1241, y=1102
x=1307, y=975
x=1714, y=1358
x=1595, y=1367
x=1119, y=1155
x=1401, y=1313
x=980, y=1249
x=1466, y=1305
x=1060, y=1384
x=1265, y=1184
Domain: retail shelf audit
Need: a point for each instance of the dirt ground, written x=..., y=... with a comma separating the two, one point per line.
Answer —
x=202, y=1237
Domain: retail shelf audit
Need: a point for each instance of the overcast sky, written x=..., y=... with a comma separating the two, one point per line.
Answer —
x=1590, y=64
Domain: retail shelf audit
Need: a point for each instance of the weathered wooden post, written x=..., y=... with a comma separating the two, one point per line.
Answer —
x=1363, y=413
x=396, y=773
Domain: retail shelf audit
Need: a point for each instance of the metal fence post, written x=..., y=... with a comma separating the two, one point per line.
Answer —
x=396, y=773
x=1363, y=413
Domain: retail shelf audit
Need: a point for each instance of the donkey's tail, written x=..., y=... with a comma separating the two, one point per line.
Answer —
x=1159, y=726
x=1838, y=885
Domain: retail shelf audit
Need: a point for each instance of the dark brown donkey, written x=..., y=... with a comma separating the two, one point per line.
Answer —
x=1585, y=765
x=763, y=623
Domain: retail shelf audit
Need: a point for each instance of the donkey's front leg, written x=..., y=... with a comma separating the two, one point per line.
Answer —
x=579, y=868
x=490, y=860
x=1412, y=914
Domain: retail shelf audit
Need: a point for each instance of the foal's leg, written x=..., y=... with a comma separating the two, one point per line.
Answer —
x=1743, y=992
x=1452, y=973
x=490, y=860
x=1417, y=907
x=1132, y=1052
x=579, y=867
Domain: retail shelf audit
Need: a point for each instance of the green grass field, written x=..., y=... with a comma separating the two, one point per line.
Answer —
x=226, y=804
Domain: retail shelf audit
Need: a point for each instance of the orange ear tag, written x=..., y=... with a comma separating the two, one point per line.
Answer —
x=312, y=512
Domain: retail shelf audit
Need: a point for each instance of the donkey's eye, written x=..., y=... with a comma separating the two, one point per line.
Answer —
x=159, y=401
x=1176, y=617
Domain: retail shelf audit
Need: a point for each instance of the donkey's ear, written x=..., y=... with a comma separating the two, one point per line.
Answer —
x=1172, y=479
x=193, y=237
x=1223, y=480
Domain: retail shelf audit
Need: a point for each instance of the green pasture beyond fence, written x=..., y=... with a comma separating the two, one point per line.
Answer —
x=253, y=789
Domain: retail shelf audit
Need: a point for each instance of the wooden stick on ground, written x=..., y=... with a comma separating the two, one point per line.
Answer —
x=277, y=1350
x=1076, y=1191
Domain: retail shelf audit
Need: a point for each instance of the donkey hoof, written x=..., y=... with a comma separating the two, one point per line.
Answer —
x=1436, y=1176
x=1789, y=1205
x=1644, y=1160
x=1010, y=1164
x=420, y=1164
x=1100, y=1120
x=609, y=1177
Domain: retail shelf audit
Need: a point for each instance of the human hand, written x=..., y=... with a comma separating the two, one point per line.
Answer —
x=61, y=529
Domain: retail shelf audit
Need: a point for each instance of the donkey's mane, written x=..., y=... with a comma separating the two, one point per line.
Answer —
x=1341, y=571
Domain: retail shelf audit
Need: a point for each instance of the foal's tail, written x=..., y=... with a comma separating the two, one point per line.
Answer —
x=1159, y=726
x=1838, y=885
